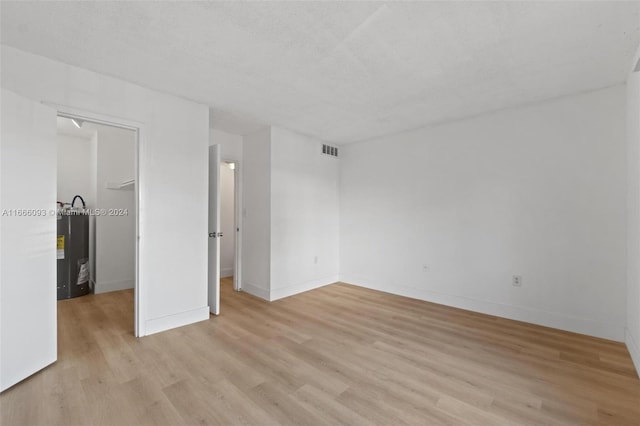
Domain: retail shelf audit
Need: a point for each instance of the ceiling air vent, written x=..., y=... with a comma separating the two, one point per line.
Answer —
x=330, y=150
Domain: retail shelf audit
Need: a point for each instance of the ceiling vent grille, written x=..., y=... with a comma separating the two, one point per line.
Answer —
x=330, y=150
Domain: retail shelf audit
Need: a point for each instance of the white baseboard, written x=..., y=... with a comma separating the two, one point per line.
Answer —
x=105, y=287
x=519, y=313
x=255, y=290
x=226, y=272
x=634, y=350
x=280, y=293
x=157, y=325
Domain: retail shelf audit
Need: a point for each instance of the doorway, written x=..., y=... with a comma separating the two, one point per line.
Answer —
x=97, y=187
x=229, y=223
x=225, y=242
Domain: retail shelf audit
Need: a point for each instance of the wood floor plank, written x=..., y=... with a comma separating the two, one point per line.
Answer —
x=339, y=354
x=326, y=407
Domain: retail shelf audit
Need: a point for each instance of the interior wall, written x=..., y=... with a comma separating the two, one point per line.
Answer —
x=227, y=220
x=633, y=217
x=230, y=144
x=304, y=214
x=450, y=213
x=74, y=169
x=256, y=213
x=115, y=233
x=173, y=167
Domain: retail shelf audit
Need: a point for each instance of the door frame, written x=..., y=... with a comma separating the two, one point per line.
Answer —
x=138, y=128
x=213, y=229
x=237, y=222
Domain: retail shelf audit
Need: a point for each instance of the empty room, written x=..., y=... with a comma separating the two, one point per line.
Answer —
x=319, y=213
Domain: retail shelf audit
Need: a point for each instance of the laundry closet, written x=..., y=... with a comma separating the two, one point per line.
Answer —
x=96, y=211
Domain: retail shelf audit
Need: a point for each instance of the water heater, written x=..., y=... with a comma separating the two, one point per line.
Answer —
x=73, y=254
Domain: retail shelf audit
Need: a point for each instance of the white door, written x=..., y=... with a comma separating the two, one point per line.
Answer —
x=214, y=229
x=28, y=335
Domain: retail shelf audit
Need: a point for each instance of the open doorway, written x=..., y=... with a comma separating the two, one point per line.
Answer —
x=97, y=212
x=229, y=225
x=225, y=242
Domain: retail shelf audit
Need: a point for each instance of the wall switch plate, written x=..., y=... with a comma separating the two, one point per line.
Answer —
x=516, y=281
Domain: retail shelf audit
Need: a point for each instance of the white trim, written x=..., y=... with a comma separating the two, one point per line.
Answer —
x=139, y=128
x=534, y=316
x=157, y=325
x=109, y=286
x=237, y=264
x=226, y=272
x=634, y=350
x=95, y=117
x=290, y=290
x=256, y=291
x=634, y=61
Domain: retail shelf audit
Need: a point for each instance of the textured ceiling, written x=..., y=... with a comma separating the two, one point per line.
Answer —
x=340, y=71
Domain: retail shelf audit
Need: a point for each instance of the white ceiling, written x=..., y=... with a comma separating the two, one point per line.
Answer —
x=339, y=71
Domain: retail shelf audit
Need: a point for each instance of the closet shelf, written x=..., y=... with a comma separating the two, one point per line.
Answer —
x=126, y=184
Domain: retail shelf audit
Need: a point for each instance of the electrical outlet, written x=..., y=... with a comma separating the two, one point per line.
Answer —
x=516, y=281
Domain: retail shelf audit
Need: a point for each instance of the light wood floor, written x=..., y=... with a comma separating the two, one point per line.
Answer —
x=335, y=355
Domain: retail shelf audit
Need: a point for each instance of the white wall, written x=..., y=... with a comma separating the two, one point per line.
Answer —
x=304, y=214
x=290, y=215
x=173, y=167
x=537, y=191
x=230, y=144
x=115, y=234
x=256, y=213
x=74, y=170
x=227, y=221
x=633, y=217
